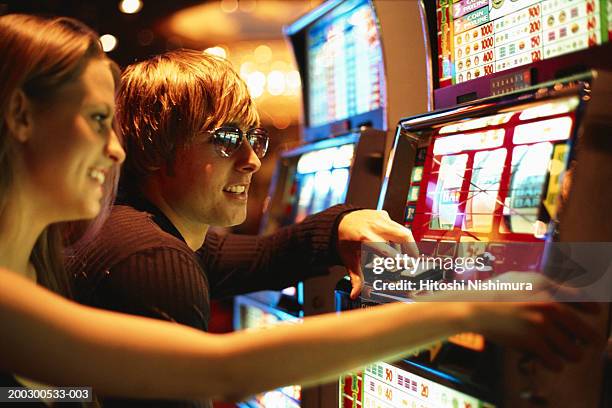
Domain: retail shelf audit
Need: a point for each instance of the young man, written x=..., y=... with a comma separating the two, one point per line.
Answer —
x=193, y=144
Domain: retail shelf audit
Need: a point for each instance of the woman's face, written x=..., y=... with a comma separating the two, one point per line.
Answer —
x=72, y=146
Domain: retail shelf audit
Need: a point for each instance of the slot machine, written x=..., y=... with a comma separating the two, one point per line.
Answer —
x=339, y=52
x=485, y=172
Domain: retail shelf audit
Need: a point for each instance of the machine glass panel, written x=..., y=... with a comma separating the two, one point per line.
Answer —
x=495, y=177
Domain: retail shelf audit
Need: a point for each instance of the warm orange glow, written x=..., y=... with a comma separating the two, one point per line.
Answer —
x=251, y=34
x=471, y=341
x=229, y=6
x=231, y=21
x=273, y=81
x=262, y=53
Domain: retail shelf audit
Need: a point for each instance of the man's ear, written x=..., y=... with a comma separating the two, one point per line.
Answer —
x=19, y=116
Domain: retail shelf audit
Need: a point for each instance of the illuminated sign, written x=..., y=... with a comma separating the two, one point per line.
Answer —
x=345, y=65
x=389, y=386
x=476, y=123
x=469, y=141
x=556, y=107
x=546, y=130
x=326, y=159
x=477, y=38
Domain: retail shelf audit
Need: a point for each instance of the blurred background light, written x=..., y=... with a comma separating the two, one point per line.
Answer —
x=130, y=6
x=276, y=82
x=217, y=50
x=229, y=6
x=262, y=53
x=247, y=6
x=109, y=42
x=256, y=81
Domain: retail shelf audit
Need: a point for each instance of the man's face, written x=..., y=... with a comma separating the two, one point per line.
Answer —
x=208, y=189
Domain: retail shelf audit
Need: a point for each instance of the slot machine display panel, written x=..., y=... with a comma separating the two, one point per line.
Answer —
x=460, y=370
x=479, y=38
x=386, y=385
x=484, y=173
x=307, y=179
x=490, y=47
x=339, y=55
x=345, y=64
x=495, y=182
x=488, y=172
x=498, y=177
x=310, y=179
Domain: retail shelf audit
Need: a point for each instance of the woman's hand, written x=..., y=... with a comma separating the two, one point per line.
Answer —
x=552, y=331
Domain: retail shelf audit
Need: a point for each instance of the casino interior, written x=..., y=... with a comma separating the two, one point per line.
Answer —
x=461, y=118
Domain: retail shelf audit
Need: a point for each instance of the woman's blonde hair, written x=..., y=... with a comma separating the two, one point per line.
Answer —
x=38, y=55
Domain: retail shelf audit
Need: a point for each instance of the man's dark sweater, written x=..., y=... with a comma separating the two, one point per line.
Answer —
x=140, y=264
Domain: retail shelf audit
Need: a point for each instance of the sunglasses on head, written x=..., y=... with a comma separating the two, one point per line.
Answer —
x=228, y=140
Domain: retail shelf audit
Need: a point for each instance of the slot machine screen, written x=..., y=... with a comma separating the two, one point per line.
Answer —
x=345, y=74
x=321, y=180
x=311, y=179
x=480, y=37
x=494, y=178
x=386, y=385
x=256, y=316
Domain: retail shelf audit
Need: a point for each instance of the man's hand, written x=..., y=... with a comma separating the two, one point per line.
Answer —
x=376, y=229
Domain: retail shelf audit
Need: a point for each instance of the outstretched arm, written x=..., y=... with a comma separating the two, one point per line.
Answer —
x=242, y=263
x=238, y=264
x=53, y=340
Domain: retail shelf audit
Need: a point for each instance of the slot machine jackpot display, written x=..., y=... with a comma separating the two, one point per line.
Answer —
x=339, y=55
x=514, y=44
x=482, y=171
x=480, y=38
